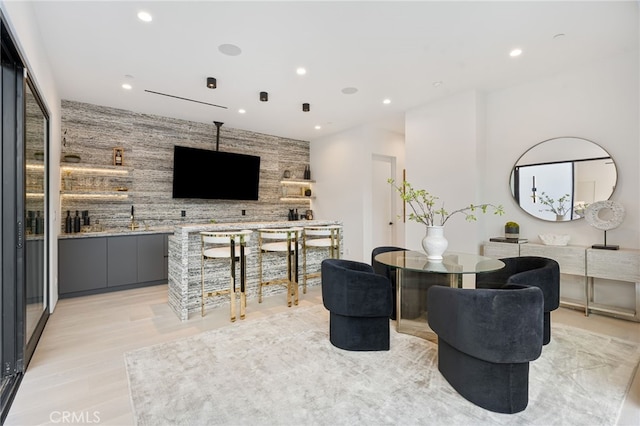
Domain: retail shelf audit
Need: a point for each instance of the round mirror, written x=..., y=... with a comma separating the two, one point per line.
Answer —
x=557, y=179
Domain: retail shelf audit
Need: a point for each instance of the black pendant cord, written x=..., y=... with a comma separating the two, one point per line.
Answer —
x=218, y=125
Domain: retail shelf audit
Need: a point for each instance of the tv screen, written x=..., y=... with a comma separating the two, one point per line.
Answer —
x=214, y=175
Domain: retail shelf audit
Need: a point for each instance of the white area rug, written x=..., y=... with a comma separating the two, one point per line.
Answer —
x=282, y=370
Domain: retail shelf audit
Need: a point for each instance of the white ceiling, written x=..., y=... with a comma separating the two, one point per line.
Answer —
x=394, y=50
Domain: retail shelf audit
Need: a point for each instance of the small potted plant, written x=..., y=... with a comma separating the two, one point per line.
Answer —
x=511, y=230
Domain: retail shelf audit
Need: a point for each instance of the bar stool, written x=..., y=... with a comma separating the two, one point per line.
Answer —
x=319, y=237
x=226, y=245
x=282, y=240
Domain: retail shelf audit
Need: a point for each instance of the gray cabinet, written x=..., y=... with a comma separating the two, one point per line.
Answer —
x=82, y=264
x=151, y=258
x=122, y=260
x=604, y=281
x=97, y=264
x=35, y=270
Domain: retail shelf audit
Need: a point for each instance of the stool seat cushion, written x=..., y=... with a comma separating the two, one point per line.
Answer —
x=319, y=242
x=224, y=252
x=279, y=246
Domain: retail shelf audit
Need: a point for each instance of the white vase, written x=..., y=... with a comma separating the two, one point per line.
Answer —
x=434, y=243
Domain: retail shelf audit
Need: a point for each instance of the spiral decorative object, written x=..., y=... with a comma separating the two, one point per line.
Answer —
x=605, y=215
x=614, y=217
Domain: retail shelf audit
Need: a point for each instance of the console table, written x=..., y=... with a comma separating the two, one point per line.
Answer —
x=415, y=274
x=594, y=271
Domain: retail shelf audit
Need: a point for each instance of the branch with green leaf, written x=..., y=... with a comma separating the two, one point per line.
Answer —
x=560, y=209
x=425, y=211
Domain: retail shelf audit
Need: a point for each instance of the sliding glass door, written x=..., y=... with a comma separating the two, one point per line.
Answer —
x=12, y=235
x=24, y=235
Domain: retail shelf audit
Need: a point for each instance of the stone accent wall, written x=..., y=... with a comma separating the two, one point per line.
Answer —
x=92, y=131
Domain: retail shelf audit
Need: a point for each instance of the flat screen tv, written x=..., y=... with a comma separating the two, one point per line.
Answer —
x=214, y=175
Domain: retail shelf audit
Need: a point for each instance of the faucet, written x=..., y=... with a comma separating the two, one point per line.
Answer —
x=133, y=224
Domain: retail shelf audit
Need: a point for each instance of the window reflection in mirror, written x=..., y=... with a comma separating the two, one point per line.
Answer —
x=556, y=179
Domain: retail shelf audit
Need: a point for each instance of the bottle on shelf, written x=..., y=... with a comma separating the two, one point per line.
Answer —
x=39, y=223
x=68, y=223
x=118, y=157
x=76, y=222
x=30, y=223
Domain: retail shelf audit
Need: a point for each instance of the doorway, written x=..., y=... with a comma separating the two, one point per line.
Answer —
x=383, y=201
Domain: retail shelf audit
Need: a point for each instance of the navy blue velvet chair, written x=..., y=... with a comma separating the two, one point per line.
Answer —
x=415, y=285
x=535, y=271
x=486, y=339
x=387, y=271
x=359, y=302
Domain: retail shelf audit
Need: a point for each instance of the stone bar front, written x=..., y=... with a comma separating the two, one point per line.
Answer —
x=185, y=289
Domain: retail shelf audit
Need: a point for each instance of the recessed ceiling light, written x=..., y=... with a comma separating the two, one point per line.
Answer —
x=229, y=49
x=127, y=86
x=318, y=127
x=386, y=101
x=241, y=111
x=301, y=71
x=515, y=52
x=349, y=90
x=145, y=16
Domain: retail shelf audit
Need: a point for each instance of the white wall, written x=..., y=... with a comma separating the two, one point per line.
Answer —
x=444, y=143
x=20, y=18
x=341, y=165
x=597, y=102
x=463, y=148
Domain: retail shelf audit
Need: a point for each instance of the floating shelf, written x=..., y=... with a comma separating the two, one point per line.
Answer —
x=95, y=194
x=299, y=198
x=302, y=182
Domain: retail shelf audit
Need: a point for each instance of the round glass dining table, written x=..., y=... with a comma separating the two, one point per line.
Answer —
x=415, y=274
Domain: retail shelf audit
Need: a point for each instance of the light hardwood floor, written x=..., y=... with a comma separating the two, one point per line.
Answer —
x=78, y=368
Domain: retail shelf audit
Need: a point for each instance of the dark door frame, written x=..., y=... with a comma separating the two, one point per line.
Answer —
x=12, y=204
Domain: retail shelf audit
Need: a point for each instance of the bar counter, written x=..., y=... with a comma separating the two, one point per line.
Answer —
x=185, y=266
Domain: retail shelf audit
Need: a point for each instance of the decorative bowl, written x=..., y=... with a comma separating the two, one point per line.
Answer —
x=555, y=239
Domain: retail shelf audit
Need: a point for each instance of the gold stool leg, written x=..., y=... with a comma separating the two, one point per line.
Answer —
x=304, y=264
x=202, y=285
x=232, y=296
x=243, y=279
x=289, y=287
x=289, y=271
x=260, y=271
x=295, y=276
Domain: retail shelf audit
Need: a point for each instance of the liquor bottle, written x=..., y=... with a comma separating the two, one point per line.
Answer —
x=118, y=158
x=39, y=223
x=30, y=222
x=76, y=223
x=68, y=223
